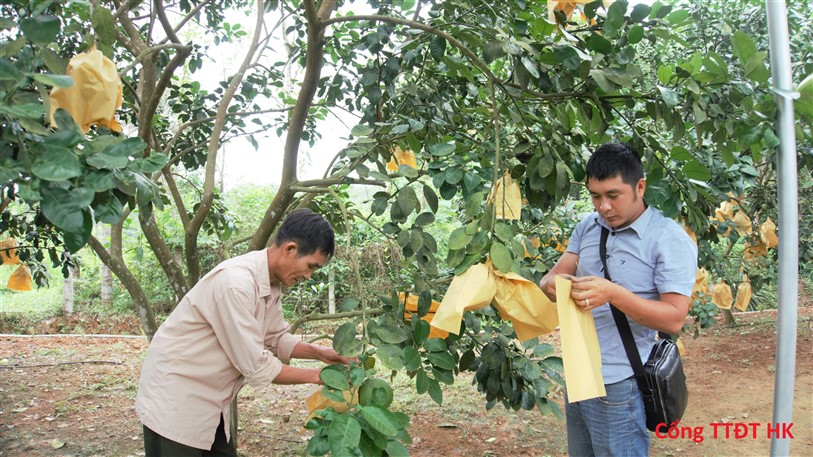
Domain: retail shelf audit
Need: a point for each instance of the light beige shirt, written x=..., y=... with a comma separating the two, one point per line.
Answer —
x=217, y=338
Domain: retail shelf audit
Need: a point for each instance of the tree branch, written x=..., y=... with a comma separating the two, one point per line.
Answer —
x=315, y=316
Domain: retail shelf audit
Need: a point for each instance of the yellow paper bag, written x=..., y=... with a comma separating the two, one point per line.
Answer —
x=506, y=197
x=514, y=297
x=569, y=7
x=581, y=354
x=742, y=222
x=318, y=401
x=8, y=252
x=95, y=94
x=525, y=305
x=724, y=212
x=400, y=157
x=743, y=295
x=721, y=295
x=411, y=307
x=701, y=283
x=469, y=291
x=753, y=252
x=767, y=232
x=21, y=279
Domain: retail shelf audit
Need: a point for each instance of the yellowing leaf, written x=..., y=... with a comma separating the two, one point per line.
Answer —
x=56, y=444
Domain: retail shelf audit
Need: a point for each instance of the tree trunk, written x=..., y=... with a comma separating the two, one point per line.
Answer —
x=130, y=283
x=67, y=293
x=331, y=291
x=107, y=277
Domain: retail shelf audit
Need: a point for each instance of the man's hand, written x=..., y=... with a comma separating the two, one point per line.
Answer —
x=591, y=291
x=330, y=357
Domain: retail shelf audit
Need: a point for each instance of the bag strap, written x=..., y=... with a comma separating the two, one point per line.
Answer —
x=622, y=323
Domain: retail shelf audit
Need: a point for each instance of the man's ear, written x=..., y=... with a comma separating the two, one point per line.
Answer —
x=641, y=187
x=289, y=247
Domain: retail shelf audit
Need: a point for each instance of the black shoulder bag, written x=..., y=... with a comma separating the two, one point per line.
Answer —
x=661, y=380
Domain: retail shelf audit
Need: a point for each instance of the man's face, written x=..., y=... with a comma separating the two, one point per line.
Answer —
x=295, y=268
x=618, y=203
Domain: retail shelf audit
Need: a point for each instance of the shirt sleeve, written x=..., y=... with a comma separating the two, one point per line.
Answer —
x=676, y=264
x=575, y=241
x=238, y=332
x=278, y=337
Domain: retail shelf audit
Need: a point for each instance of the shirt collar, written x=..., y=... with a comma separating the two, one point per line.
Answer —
x=263, y=278
x=638, y=226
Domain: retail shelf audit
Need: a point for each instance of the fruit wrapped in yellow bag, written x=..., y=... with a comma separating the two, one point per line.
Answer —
x=21, y=279
x=721, y=296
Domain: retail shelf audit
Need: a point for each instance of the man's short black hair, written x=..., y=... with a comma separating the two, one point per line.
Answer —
x=309, y=230
x=615, y=159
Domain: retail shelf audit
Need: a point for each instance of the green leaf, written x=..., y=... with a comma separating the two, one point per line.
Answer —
x=424, y=219
x=435, y=393
x=664, y=74
x=104, y=25
x=441, y=149
x=396, y=449
x=615, y=17
x=126, y=148
x=345, y=342
x=421, y=382
x=343, y=434
x=391, y=356
x=458, y=239
x=110, y=211
x=504, y=232
x=334, y=378
x=601, y=79
x=442, y=360
x=598, y=43
x=361, y=130
x=437, y=48
x=501, y=257
x=40, y=29
x=619, y=76
x=640, y=12
x=57, y=163
x=422, y=330
x=743, y=45
x=412, y=358
x=804, y=105
x=77, y=239
x=348, y=304
x=657, y=192
x=63, y=207
x=696, y=170
x=25, y=110
x=381, y=420
x=435, y=345
x=636, y=34
x=431, y=198
x=678, y=16
x=669, y=96
x=107, y=161
x=390, y=332
x=148, y=165
x=52, y=80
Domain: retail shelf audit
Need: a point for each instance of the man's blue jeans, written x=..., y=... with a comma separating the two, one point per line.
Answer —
x=613, y=425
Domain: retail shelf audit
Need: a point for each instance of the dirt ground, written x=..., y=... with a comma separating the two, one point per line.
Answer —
x=73, y=396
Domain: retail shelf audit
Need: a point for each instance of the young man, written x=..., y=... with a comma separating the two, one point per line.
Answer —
x=229, y=329
x=652, y=263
